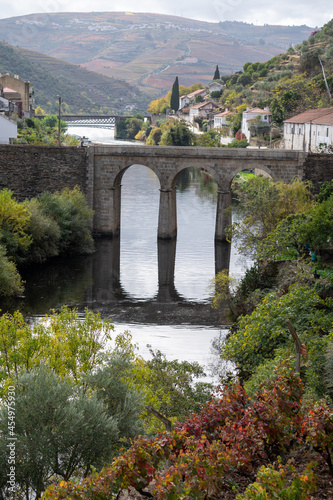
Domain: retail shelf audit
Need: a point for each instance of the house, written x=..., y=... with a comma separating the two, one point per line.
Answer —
x=8, y=129
x=308, y=130
x=222, y=119
x=201, y=109
x=215, y=86
x=199, y=92
x=19, y=92
x=251, y=114
x=184, y=101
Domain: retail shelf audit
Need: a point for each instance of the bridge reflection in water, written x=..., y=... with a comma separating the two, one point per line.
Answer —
x=107, y=286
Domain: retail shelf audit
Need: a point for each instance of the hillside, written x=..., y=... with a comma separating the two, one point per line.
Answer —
x=82, y=91
x=149, y=49
x=289, y=83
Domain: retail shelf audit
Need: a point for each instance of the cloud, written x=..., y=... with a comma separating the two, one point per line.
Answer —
x=257, y=11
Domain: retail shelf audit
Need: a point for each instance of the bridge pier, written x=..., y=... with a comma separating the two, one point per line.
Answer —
x=167, y=217
x=107, y=212
x=223, y=219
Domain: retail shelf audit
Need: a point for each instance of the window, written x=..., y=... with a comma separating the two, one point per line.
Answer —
x=327, y=132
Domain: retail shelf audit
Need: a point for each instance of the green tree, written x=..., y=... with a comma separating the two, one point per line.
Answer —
x=123, y=403
x=173, y=383
x=60, y=430
x=211, y=138
x=133, y=126
x=14, y=220
x=154, y=137
x=66, y=342
x=10, y=280
x=264, y=204
x=311, y=229
x=260, y=334
x=174, y=101
x=45, y=233
x=217, y=73
x=70, y=211
x=178, y=135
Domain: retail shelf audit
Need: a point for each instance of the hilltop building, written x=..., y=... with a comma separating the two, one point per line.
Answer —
x=17, y=92
x=185, y=100
x=203, y=109
x=222, y=119
x=252, y=114
x=215, y=86
x=309, y=131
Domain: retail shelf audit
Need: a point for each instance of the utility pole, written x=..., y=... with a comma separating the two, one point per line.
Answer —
x=324, y=76
x=59, y=118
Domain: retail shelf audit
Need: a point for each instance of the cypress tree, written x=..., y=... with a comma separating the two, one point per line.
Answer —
x=174, y=101
x=217, y=73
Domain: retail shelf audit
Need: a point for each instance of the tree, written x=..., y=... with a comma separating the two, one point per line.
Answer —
x=174, y=101
x=10, y=280
x=14, y=220
x=60, y=430
x=67, y=343
x=217, y=73
x=264, y=204
x=178, y=135
x=69, y=209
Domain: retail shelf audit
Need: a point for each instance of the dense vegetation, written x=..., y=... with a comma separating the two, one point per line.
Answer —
x=77, y=399
x=44, y=131
x=288, y=83
x=36, y=230
x=268, y=434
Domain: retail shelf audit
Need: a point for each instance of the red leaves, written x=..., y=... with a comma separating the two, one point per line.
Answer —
x=317, y=428
x=231, y=434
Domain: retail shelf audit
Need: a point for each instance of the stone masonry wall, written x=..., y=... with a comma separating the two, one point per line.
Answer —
x=31, y=170
x=318, y=168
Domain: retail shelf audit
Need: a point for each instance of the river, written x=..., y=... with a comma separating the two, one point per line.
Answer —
x=157, y=291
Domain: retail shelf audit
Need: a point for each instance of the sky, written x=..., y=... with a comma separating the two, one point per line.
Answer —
x=259, y=12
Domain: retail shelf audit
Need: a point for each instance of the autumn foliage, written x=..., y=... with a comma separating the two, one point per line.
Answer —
x=231, y=441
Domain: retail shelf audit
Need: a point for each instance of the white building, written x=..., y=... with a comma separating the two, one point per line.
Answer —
x=8, y=129
x=308, y=130
x=251, y=114
x=215, y=86
x=192, y=96
x=184, y=101
x=222, y=119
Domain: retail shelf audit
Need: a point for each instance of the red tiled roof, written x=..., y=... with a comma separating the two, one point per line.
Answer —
x=224, y=113
x=8, y=90
x=322, y=116
x=202, y=104
x=193, y=94
x=258, y=110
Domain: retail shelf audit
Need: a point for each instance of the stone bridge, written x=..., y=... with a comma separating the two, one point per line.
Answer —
x=107, y=165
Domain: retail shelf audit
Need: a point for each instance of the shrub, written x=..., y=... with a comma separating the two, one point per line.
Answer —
x=277, y=483
x=45, y=234
x=69, y=210
x=10, y=281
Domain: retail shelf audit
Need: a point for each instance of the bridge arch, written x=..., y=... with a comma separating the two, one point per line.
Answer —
x=108, y=163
